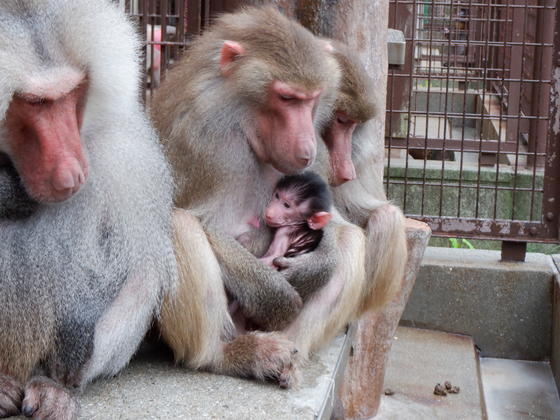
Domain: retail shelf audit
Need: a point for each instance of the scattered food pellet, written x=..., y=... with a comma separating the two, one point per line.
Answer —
x=440, y=390
x=446, y=388
x=454, y=390
x=389, y=391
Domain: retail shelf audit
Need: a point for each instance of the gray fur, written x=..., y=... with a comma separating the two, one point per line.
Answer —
x=206, y=121
x=14, y=202
x=64, y=265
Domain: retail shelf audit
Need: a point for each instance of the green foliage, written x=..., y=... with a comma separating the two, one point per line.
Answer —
x=459, y=242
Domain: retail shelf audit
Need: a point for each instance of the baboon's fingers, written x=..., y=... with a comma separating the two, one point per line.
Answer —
x=47, y=400
x=11, y=395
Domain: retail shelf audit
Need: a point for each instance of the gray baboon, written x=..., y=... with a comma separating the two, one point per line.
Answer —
x=362, y=201
x=84, y=270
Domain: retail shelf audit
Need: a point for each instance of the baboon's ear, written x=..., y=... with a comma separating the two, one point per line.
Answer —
x=319, y=220
x=230, y=51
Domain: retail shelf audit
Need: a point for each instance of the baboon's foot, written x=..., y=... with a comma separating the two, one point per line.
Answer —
x=11, y=394
x=264, y=356
x=47, y=400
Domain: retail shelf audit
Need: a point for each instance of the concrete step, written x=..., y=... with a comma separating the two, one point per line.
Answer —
x=516, y=389
x=152, y=387
x=419, y=360
x=505, y=306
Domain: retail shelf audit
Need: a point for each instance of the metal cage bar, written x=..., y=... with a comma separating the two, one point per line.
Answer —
x=471, y=146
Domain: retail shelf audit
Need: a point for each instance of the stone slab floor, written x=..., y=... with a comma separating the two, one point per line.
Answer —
x=516, y=389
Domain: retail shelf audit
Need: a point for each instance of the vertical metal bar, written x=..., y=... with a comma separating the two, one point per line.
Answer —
x=144, y=26
x=183, y=13
x=389, y=115
x=484, y=66
x=205, y=18
x=516, y=70
x=164, y=50
x=466, y=88
x=551, y=202
x=540, y=96
x=413, y=42
x=445, y=122
x=500, y=120
x=539, y=100
x=193, y=17
x=181, y=21
x=428, y=94
x=149, y=12
x=518, y=107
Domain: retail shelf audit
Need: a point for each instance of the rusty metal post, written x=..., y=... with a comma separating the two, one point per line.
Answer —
x=361, y=390
x=514, y=251
x=540, y=98
x=194, y=17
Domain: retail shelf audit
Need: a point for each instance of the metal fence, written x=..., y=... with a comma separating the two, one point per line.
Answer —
x=472, y=147
x=166, y=28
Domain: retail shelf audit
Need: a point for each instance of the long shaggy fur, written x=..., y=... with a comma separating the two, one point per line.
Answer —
x=206, y=121
x=68, y=268
x=363, y=201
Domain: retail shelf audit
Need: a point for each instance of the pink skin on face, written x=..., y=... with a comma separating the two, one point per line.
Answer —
x=285, y=134
x=283, y=210
x=44, y=140
x=338, y=138
x=285, y=128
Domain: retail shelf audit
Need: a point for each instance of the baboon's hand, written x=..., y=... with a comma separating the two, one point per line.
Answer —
x=263, y=293
x=309, y=272
x=276, y=313
x=11, y=394
x=46, y=399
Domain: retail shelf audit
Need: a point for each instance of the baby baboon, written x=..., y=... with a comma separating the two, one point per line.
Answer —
x=298, y=211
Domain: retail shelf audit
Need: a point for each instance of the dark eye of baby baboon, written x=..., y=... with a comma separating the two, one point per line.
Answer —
x=286, y=205
x=276, y=195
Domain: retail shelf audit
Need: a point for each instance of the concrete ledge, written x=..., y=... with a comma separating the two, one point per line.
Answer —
x=505, y=307
x=153, y=388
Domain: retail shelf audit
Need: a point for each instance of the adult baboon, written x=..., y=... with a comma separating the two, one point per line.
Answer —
x=370, y=270
x=362, y=201
x=240, y=109
x=84, y=271
x=202, y=114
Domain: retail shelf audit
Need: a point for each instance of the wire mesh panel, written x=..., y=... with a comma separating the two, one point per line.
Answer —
x=471, y=143
x=167, y=27
x=472, y=147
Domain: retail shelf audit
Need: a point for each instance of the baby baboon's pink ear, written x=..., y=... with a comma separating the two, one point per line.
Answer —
x=319, y=220
x=229, y=52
